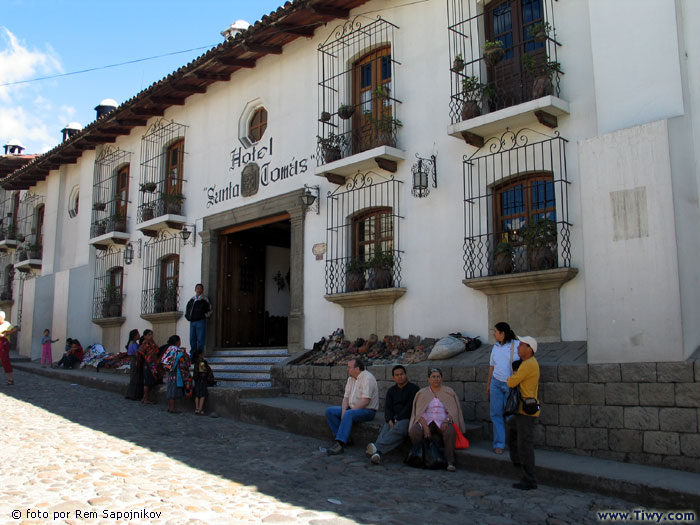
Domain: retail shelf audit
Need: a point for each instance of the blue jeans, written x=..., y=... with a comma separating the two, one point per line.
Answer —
x=499, y=394
x=197, y=334
x=341, y=428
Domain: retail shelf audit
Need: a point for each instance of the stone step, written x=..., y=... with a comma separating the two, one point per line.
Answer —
x=234, y=383
x=251, y=352
x=243, y=376
x=236, y=367
x=244, y=360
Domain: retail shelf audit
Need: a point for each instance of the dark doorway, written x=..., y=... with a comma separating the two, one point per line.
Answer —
x=254, y=269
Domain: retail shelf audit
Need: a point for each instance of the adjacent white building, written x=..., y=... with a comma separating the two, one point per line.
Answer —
x=554, y=185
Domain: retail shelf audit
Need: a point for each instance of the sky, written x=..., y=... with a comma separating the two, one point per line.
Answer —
x=40, y=38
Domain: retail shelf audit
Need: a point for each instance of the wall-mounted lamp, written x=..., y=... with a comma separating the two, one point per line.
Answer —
x=129, y=252
x=424, y=170
x=185, y=234
x=310, y=198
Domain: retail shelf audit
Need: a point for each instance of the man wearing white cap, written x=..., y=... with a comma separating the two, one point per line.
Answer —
x=522, y=448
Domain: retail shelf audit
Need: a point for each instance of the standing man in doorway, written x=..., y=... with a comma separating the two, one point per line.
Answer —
x=197, y=312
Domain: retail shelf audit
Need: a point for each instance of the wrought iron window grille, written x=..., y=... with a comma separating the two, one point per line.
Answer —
x=363, y=234
x=9, y=209
x=160, y=290
x=108, y=296
x=30, y=225
x=523, y=67
x=161, y=178
x=357, y=89
x=7, y=275
x=110, y=191
x=424, y=172
x=516, y=207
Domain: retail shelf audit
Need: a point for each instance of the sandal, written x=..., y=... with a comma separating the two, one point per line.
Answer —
x=451, y=467
x=10, y=382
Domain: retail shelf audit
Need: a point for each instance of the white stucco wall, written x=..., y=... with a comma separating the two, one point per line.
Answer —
x=605, y=303
x=632, y=296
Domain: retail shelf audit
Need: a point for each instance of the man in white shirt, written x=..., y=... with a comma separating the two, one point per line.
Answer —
x=360, y=403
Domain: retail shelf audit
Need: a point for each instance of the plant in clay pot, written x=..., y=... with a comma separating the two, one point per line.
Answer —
x=542, y=71
x=331, y=147
x=382, y=266
x=149, y=187
x=325, y=116
x=541, y=244
x=345, y=111
x=457, y=64
x=503, y=257
x=540, y=32
x=355, y=275
x=493, y=52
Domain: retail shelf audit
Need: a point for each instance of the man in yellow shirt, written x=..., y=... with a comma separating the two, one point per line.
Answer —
x=522, y=448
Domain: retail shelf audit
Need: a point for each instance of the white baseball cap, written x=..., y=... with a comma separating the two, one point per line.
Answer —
x=530, y=341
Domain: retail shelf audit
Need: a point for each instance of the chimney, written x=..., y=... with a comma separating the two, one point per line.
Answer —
x=13, y=147
x=71, y=129
x=105, y=107
x=231, y=31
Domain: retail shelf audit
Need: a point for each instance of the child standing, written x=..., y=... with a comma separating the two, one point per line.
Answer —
x=200, y=383
x=46, y=348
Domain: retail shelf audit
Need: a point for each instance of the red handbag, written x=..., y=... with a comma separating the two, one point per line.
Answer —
x=461, y=442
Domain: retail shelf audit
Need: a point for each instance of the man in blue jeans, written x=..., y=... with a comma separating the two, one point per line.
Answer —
x=360, y=403
x=197, y=312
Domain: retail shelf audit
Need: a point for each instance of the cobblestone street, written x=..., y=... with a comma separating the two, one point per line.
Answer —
x=70, y=449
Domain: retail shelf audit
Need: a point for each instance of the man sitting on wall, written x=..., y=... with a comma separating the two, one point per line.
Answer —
x=397, y=412
x=360, y=403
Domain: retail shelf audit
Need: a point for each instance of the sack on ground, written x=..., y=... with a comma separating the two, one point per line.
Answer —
x=447, y=347
x=414, y=458
x=433, y=457
x=512, y=402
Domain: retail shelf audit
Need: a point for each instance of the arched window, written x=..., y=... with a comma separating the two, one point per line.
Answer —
x=173, y=167
x=258, y=125
x=524, y=200
x=121, y=193
x=39, y=225
x=373, y=125
x=372, y=232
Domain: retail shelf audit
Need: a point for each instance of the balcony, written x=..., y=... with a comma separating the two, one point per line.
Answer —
x=108, y=231
x=503, y=75
x=28, y=258
x=160, y=213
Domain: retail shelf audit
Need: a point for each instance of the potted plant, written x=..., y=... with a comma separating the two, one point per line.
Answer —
x=503, y=257
x=325, y=116
x=165, y=298
x=345, y=111
x=22, y=254
x=173, y=202
x=149, y=187
x=147, y=212
x=331, y=147
x=99, y=228
x=458, y=63
x=542, y=72
x=34, y=251
x=99, y=206
x=355, y=275
x=11, y=232
x=6, y=296
x=382, y=265
x=540, y=32
x=118, y=222
x=111, y=301
x=493, y=52
x=21, y=237
x=541, y=244
x=472, y=91
x=383, y=128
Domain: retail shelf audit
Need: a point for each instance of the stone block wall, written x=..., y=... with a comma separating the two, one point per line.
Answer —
x=645, y=413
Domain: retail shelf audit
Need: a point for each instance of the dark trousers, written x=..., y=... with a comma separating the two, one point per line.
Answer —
x=521, y=442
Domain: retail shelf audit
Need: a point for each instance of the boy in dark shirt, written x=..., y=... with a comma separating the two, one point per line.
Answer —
x=397, y=412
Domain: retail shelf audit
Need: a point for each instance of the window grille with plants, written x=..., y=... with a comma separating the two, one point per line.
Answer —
x=516, y=206
x=110, y=191
x=362, y=235
x=162, y=170
x=10, y=206
x=108, y=291
x=160, y=290
x=502, y=53
x=7, y=275
x=357, y=90
x=30, y=226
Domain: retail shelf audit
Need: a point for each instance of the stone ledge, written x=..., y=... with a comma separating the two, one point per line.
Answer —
x=522, y=282
x=163, y=317
x=366, y=297
x=106, y=322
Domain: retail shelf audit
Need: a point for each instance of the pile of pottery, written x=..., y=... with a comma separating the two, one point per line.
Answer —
x=392, y=349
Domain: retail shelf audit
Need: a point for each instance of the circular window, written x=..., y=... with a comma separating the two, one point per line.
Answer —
x=258, y=125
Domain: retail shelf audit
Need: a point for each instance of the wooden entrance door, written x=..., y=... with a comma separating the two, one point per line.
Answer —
x=242, y=318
